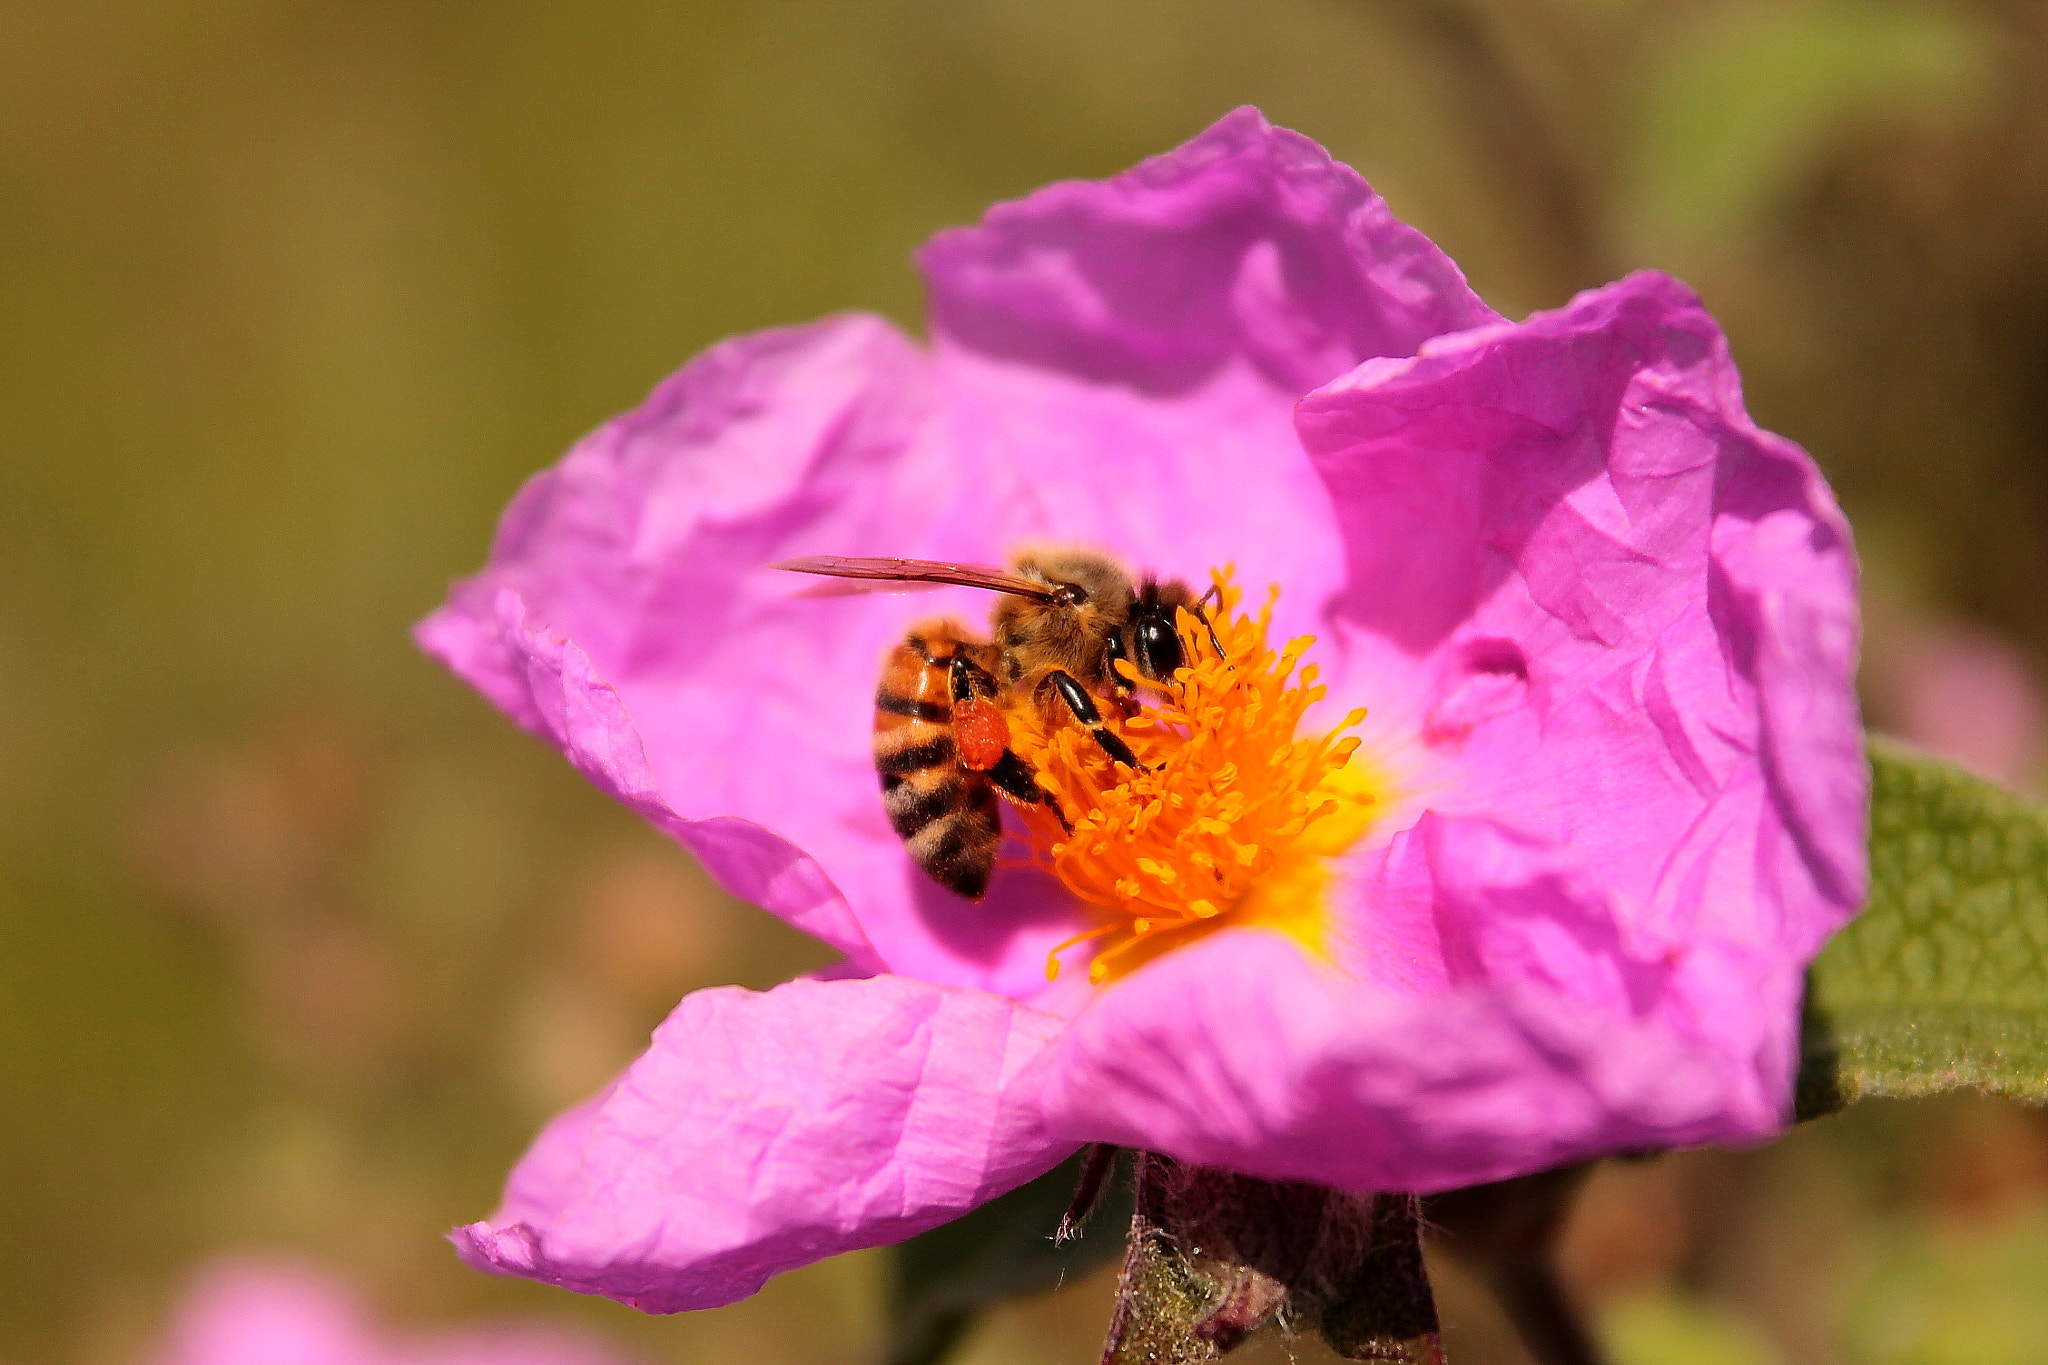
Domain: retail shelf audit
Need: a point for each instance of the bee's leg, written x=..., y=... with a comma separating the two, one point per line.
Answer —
x=1011, y=775
x=1013, y=778
x=1112, y=655
x=970, y=679
x=1126, y=698
x=1083, y=706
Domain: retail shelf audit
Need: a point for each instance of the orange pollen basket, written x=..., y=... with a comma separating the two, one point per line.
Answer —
x=1233, y=819
x=979, y=733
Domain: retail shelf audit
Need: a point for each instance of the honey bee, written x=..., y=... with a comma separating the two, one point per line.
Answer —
x=942, y=736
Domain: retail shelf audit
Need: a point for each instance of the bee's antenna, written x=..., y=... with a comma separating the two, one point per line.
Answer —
x=1215, y=593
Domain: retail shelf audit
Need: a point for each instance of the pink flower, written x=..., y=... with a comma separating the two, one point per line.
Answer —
x=1604, y=626
x=262, y=1312
x=1965, y=693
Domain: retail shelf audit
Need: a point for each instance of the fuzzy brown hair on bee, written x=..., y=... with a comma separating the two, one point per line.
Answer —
x=1093, y=616
x=1063, y=621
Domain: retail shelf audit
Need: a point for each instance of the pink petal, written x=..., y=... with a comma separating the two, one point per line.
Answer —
x=1967, y=694
x=549, y=685
x=261, y=1311
x=1239, y=1053
x=1607, y=604
x=252, y=1312
x=763, y=1131
x=625, y=617
x=1247, y=243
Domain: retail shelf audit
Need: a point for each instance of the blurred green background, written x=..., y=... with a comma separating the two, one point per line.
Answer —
x=299, y=942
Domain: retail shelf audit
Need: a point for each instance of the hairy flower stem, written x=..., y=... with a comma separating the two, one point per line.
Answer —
x=1214, y=1256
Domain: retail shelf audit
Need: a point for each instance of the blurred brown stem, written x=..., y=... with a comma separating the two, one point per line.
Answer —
x=1507, y=1233
x=1529, y=1293
x=1522, y=140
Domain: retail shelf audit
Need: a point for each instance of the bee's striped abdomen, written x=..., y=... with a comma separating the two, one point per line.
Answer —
x=946, y=815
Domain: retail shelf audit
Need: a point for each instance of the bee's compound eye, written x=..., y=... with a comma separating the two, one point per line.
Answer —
x=1158, y=646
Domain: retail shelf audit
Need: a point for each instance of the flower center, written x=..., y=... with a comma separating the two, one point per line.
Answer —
x=1233, y=819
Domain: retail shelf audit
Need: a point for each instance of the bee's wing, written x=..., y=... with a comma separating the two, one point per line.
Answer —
x=852, y=587
x=911, y=575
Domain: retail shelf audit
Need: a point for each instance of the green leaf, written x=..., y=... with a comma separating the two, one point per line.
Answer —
x=1942, y=982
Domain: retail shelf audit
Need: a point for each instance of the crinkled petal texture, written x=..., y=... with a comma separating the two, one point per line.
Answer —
x=1612, y=629
x=1605, y=626
x=268, y=1312
x=762, y=1131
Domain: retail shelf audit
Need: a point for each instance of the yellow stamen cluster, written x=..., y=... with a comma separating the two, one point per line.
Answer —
x=1232, y=820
